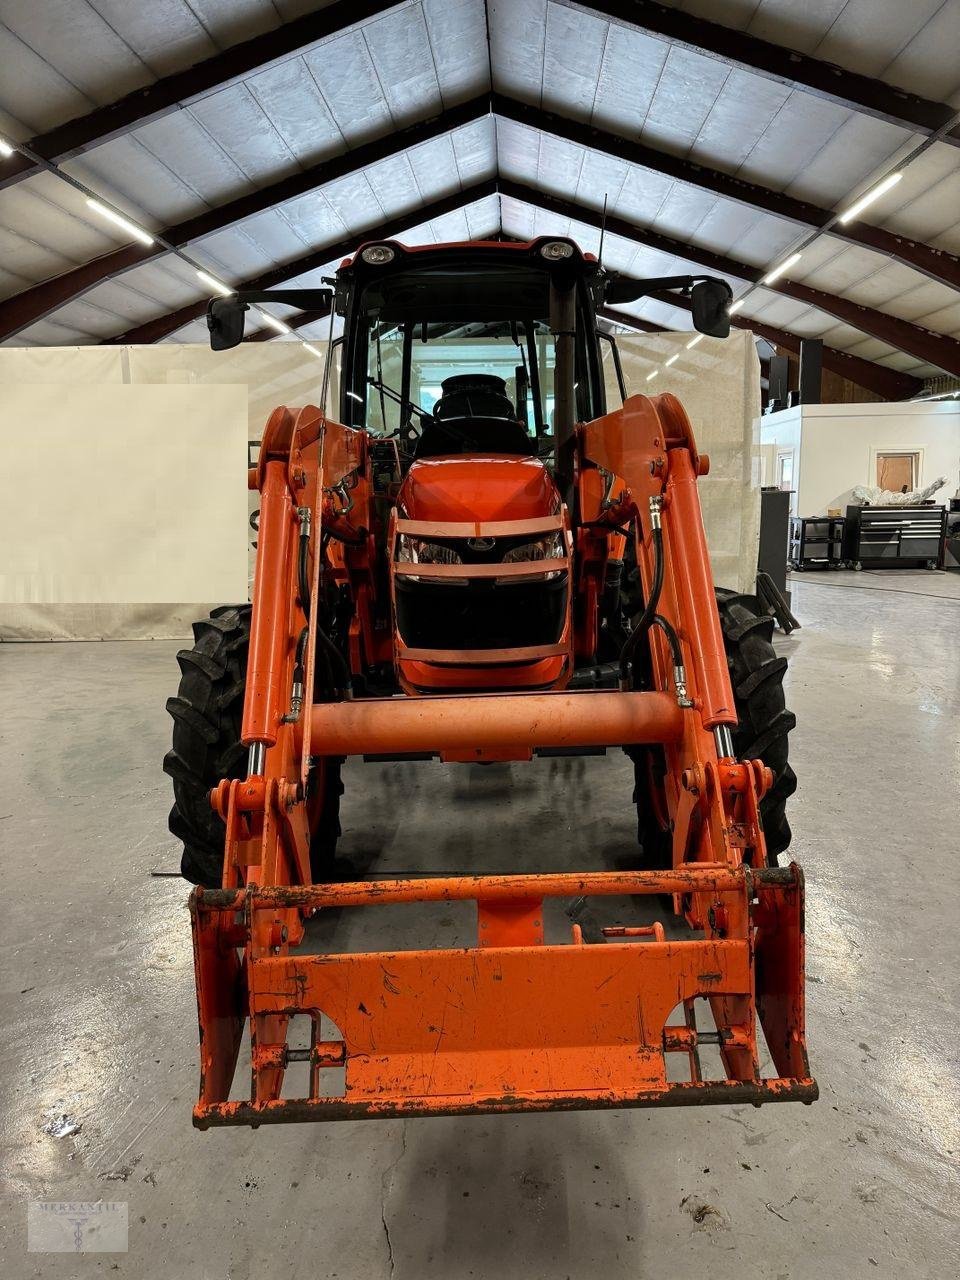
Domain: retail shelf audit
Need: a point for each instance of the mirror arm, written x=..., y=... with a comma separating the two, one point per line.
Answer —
x=307, y=299
x=631, y=290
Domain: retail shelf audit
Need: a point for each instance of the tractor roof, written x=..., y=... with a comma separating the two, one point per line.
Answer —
x=469, y=252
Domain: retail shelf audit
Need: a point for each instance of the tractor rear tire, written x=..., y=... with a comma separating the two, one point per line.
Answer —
x=207, y=714
x=756, y=674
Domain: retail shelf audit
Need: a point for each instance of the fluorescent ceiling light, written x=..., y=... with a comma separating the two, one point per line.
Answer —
x=314, y=351
x=732, y=310
x=273, y=322
x=693, y=341
x=777, y=272
x=216, y=285
x=855, y=209
x=652, y=375
x=353, y=396
x=669, y=362
x=5, y=149
x=119, y=220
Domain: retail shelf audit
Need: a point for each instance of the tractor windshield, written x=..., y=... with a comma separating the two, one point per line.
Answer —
x=470, y=338
x=409, y=363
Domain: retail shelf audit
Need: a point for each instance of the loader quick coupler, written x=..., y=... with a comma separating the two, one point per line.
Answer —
x=515, y=1023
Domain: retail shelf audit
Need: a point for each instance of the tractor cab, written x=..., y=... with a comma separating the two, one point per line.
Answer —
x=476, y=360
x=464, y=371
x=482, y=348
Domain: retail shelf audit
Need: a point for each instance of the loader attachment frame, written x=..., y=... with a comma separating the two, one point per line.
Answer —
x=512, y=1023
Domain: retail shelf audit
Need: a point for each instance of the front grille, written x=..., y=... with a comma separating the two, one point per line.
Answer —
x=483, y=615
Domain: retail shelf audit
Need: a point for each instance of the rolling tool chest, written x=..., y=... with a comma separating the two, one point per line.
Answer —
x=894, y=537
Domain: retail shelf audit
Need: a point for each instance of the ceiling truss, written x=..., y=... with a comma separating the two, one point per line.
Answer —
x=856, y=92
x=171, y=93
x=849, y=89
x=889, y=383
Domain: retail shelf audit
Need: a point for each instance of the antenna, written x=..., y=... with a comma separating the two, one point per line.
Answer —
x=603, y=227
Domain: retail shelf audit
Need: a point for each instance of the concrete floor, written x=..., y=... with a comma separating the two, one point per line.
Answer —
x=98, y=1016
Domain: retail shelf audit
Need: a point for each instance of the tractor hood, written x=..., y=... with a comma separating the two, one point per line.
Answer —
x=478, y=487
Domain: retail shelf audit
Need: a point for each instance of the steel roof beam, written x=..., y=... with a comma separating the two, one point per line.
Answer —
x=26, y=308
x=171, y=93
x=924, y=344
x=885, y=382
x=161, y=326
x=41, y=300
x=889, y=383
x=863, y=94
x=297, y=321
x=936, y=263
x=632, y=322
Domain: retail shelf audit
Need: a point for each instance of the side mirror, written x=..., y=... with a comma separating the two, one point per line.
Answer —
x=225, y=315
x=709, y=297
x=710, y=302
x=225, y=322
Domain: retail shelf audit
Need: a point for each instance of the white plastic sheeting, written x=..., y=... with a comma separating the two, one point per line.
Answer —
x=264, y=374
x=272, y=373
x=718, y=381
x=870, y=495
x=124, y=503
x=140, y=445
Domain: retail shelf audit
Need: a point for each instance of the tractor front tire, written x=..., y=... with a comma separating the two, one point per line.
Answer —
x=207, y=715
x=764, y=722
x=756, y=674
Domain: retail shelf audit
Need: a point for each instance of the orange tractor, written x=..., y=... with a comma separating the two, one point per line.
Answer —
x=478, y=562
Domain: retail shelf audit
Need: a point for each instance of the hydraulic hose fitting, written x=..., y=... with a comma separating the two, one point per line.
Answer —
x=680, y=684
x=296, y=689
x=656, y=507
x=296, y=698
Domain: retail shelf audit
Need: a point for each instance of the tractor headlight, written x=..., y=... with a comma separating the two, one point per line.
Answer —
x=419, y=551
x=377, y=255
x=549, y=548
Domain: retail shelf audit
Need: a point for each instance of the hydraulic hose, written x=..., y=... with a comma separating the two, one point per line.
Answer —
x=673, y=640
x=676, y=654
x=296, y=693
x=335, y=658
x=645, y=621
x=303, y=585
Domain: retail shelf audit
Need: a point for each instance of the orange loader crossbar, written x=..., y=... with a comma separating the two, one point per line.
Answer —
x=514, y=1022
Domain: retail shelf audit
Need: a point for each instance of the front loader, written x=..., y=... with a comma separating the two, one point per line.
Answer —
x=476, y=561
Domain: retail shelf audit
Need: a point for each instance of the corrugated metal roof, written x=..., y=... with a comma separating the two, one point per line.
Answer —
x=65, y=57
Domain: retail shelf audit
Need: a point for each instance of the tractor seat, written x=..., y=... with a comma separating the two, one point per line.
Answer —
x=474, y=415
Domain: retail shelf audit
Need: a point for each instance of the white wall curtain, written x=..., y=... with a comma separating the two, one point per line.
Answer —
x=718, y=382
